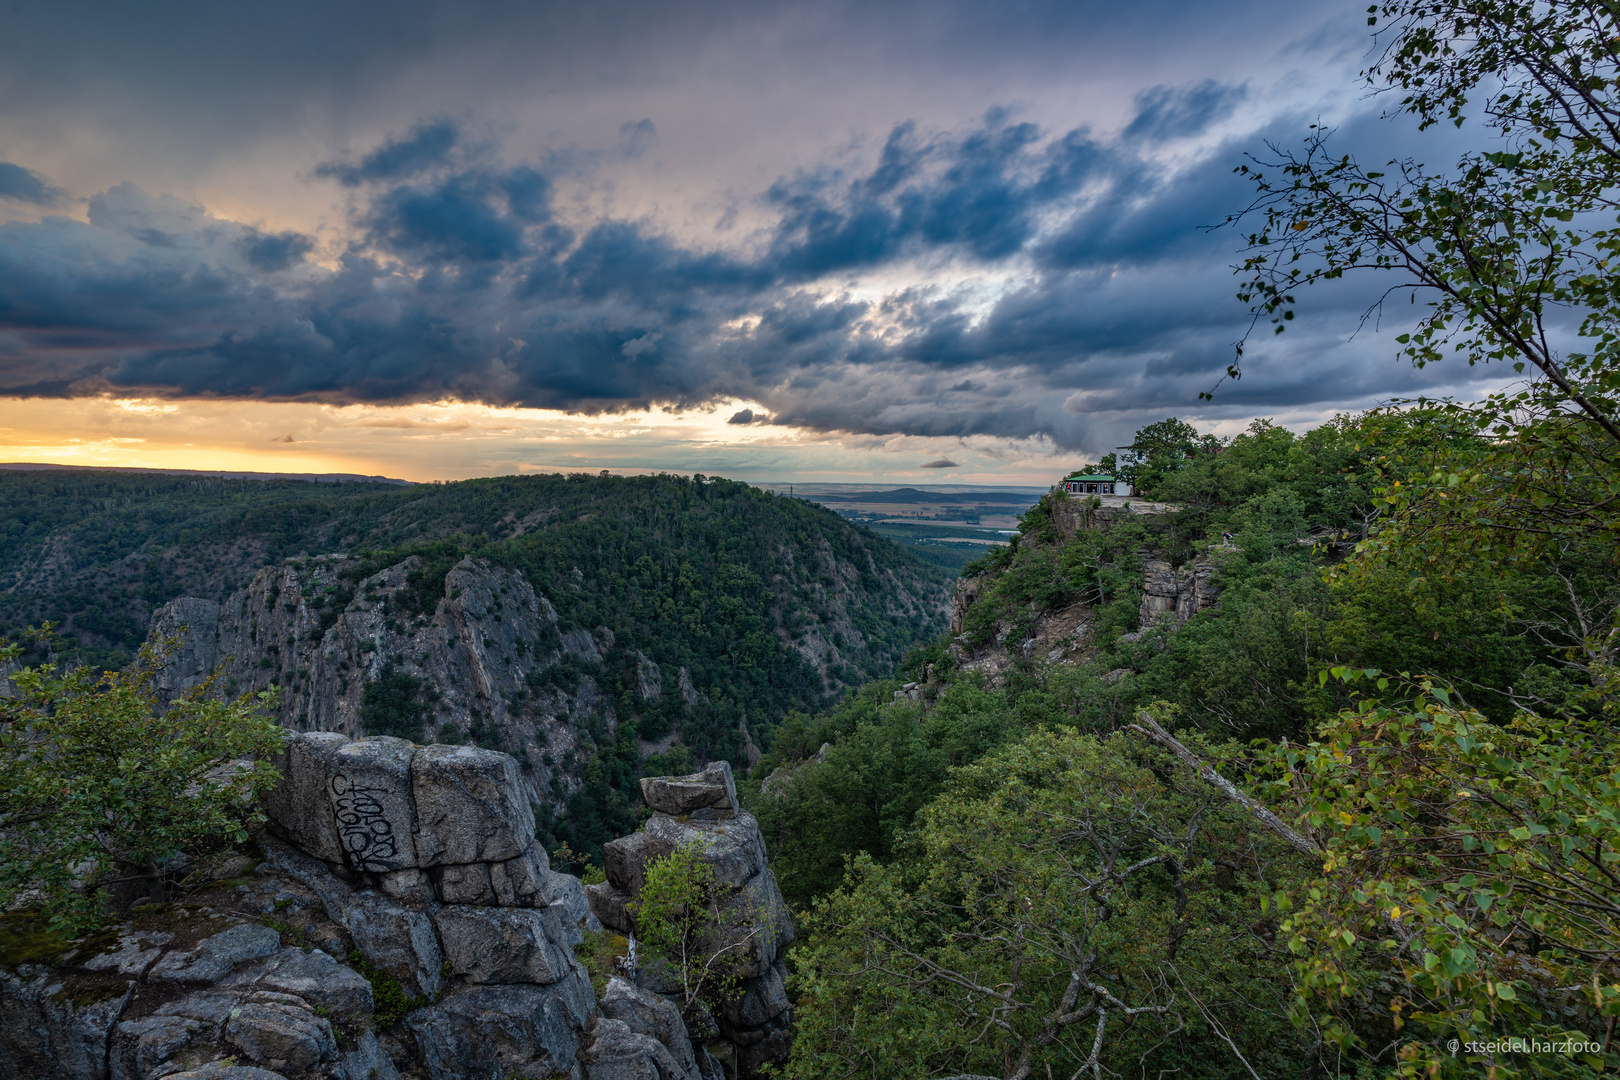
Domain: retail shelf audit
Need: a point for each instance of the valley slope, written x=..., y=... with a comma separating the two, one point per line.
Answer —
x=591, y=625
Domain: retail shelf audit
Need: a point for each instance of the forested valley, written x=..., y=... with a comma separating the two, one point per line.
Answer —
x=754, y=605
x=1310, y=768
x=1316, y=773
x=1004, y=839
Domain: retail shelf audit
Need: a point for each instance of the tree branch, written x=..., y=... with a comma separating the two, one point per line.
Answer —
x=1208, y=774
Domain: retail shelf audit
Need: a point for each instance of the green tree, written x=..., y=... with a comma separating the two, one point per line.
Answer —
x=99, y=782
x=1158, y=451
x=1505, y=244
x=1071, y=905
x=1478, y=863
x=699, y=931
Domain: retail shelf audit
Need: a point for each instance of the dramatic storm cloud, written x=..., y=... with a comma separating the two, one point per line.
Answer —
x=949, y=228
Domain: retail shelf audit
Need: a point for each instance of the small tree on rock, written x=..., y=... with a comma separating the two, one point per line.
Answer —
x=697, y=928
x=100, y=783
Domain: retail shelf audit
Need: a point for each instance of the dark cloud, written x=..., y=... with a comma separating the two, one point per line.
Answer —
x=25, y=185
x=977, y=193
x=941, y=463
x=1166, y=112
x=427, y=146
x=271, y=252
x=462, y=282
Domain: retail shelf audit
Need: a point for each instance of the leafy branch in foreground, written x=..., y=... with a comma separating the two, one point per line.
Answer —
x=1506, y=246
x=99, y=783
x=1478, y=863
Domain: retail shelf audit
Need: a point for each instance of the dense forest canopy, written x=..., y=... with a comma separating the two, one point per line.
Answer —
x=1322, y=777
x=96, y=551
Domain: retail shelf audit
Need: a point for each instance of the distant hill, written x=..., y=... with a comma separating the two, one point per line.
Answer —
x=741, y=604
x=321, y=478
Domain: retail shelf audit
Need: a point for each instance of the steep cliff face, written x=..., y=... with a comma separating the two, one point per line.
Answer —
x=824, y=606
x=480, y=656
x=1043, y=604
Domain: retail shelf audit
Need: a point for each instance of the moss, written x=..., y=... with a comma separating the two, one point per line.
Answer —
x=26, y=938
x=599, y=953
x=83, y=991
x=389, y=999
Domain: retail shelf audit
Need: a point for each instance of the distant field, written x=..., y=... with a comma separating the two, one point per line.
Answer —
x=948, y=526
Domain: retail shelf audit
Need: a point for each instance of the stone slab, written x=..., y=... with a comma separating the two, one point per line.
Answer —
x=470, y=806
x=370, y=792
x=503, y=1031
x=298, y=807
x=502, y=945
x=712, y=792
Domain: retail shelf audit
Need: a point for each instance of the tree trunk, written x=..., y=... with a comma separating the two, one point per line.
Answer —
x=154, y=883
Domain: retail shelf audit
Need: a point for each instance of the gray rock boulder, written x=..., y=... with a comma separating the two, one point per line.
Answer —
x=281, y=1035
x=133, y=954
x=711, y=793
x=608, y=906
x=626, y=859
x=142, y=1048
x=762, y=1000
x=217, y=1070
x=734, y=848
x=503, y=945
x=299, y=807
x=367, y=1061
x=618, y=1053
x=214, y=957
x=470, y=806
x=209, y=1006
x=370, y=790
x=522, y=881
x=468, y=884
x=410, y=885
x=44, y=1035
x=495, y=1032
x=399, y=940
x=567, y=890
x=333, y=894
x=649, y=1014
x=315, y=978
x=708, y=1067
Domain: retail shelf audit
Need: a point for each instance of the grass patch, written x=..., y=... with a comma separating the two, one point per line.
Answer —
x=389, y=999
x=599, y=953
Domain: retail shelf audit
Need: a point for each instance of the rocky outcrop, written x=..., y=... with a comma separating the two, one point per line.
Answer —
x=469, y=653
x=212, y=996
x=701, y=811
x=418, y=863
x=1171, y=596
x=439, y=878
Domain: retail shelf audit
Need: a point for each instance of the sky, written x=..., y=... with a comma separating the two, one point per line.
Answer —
x=906, y=242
